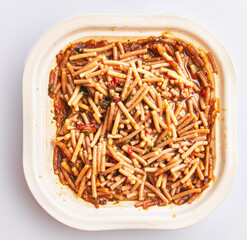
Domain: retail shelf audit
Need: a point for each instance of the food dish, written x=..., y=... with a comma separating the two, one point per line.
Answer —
x=134, y=120
x=39, y=128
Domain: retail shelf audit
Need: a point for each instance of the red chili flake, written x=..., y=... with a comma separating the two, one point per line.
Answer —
x=116, y=99
x=172, y=62
x=114, y=82
x=93, y=122
x=80, y=126
x=130, y=151
x=92, y=128
x=57, y=106
x=88, y=127
x=203, y=92
x=186, y=86
x=165, y=76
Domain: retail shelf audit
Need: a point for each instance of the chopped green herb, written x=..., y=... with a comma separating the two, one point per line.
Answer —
x=130, y=97
x=87, y=131
x=125, y=142
x=157, y=143
x=148, y=150
x=111, y=95
x=84, y=91
x=166, y=137
x=104, y=104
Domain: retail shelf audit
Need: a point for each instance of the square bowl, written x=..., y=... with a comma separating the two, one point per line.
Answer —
x=39, y=127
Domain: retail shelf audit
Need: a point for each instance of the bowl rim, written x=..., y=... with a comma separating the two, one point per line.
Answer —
x=27, y=112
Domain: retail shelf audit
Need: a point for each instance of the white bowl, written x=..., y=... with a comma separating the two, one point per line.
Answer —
x=39, y=128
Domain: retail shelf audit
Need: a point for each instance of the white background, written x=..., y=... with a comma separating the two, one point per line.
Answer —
x=21, y=25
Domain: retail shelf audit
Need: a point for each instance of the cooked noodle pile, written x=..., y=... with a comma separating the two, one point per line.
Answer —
x=134, y=120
